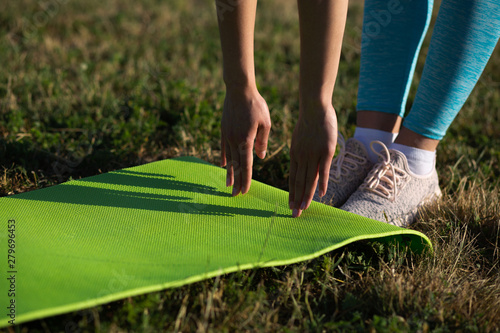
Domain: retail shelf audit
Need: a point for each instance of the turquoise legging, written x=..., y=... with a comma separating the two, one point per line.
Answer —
x=464, y=37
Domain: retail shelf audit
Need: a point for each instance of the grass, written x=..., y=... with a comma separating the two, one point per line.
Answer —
x=89, y=87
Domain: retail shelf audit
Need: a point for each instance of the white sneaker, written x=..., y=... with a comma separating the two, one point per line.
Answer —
x=391, y=193
x=347, y=172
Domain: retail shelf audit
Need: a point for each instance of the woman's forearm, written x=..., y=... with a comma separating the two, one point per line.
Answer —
x=322, y=24
x=236, y=27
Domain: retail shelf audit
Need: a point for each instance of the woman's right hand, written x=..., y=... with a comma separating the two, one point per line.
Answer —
x=245, y=120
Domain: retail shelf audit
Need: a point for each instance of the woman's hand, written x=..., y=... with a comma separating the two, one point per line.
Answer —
x=315, y=136
x=245, y=119
x=313, y=145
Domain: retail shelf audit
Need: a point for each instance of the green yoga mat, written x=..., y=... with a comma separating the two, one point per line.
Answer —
x=160, y=225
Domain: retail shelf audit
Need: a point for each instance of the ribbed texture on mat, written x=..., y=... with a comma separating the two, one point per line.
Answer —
x=159, y=225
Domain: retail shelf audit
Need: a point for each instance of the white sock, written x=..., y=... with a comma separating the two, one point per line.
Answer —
x=367, y=135
x=420, y=161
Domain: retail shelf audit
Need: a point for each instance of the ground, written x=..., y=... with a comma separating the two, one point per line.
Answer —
x=89, y=87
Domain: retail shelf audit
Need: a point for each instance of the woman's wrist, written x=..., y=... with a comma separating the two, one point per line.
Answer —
x=315, y=104
x=239, y=74
x=245, y=87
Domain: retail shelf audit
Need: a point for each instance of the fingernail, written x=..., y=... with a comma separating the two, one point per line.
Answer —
x=303, y=205
x=290, y=204
x=295, y=213
x=228, y=182
x=235, y=191
x=264, y=154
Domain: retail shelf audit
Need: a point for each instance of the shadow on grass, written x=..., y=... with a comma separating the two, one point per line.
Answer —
x=27, y=157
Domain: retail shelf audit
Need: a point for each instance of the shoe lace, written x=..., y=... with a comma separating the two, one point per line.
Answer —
x=345, y=162
x=384, y=179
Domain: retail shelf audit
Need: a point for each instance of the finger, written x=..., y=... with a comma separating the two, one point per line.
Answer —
x=235, y=161
x=223, y=161
x=262, y=139
x=229, y=167
x=291, y=183
x=310, y=185
x=246, y=159
x=324, y=174
x=300, y=182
